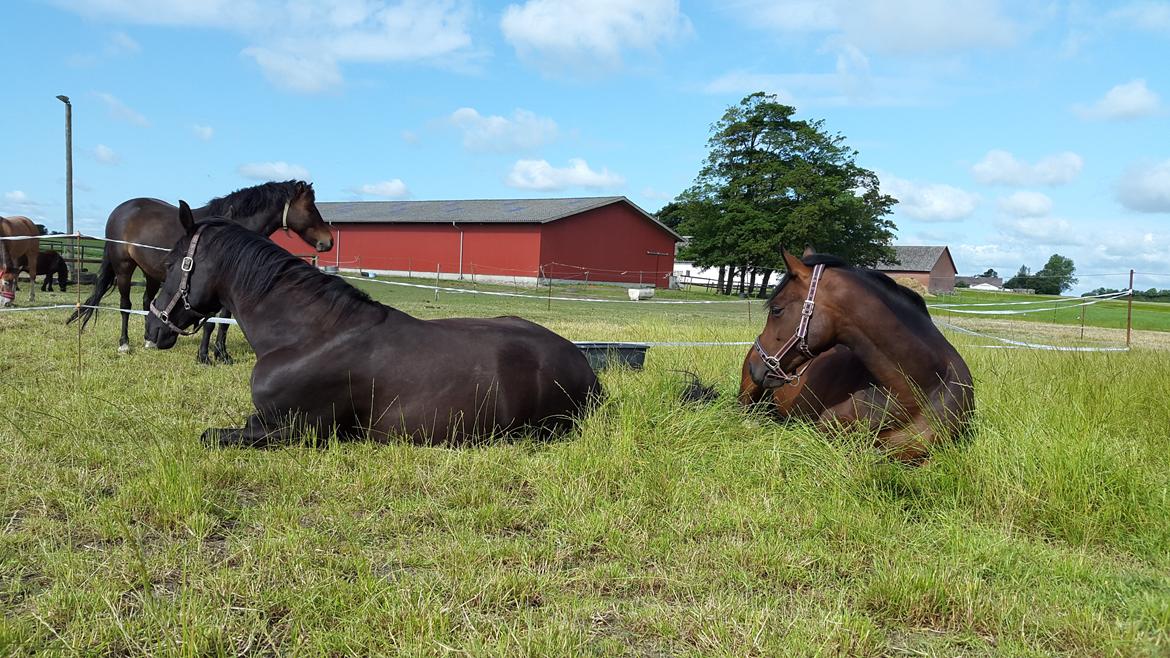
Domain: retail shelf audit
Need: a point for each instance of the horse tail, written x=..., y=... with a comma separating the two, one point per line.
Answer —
x=105, y=280
x=696, y=390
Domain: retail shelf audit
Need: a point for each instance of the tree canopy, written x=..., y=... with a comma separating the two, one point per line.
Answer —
x=770, y=179
x=1054, y=278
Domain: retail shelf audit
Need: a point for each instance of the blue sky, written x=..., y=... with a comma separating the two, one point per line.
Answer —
x=1008, y=130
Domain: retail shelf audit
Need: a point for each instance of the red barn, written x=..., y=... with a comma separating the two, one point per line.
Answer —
x=593, y=238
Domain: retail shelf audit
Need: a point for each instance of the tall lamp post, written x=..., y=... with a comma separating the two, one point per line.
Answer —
x=68, y=163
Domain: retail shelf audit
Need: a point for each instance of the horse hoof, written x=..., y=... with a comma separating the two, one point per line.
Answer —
x=149, y=345
x=124, y=348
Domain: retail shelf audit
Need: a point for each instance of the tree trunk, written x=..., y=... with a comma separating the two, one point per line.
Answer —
x=742, y=278
x=752, y=284
x=764, y=284
x=722, y=275
x=730, y=280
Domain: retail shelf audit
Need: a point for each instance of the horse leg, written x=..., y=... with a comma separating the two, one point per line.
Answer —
x=123, y=280
x=221, y=353
x=257, y=432
x=152, y=287
x=32, y=277
x=203, y=343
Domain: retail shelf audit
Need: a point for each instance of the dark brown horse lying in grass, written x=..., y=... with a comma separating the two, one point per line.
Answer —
x=331, y=360
x=263, y=209
x=898, y=376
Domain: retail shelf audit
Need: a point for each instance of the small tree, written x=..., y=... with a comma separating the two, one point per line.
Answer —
x=989, y=274
x=1022, y=279
x=1056, y=276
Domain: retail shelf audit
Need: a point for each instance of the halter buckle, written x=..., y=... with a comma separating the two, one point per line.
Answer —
x=188, y=264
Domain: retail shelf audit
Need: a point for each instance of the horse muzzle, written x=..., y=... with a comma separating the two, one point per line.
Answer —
x=324, y=245
x=7, y=297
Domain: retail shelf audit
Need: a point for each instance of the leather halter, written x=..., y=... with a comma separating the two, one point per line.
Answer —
x=186, y=266
x=284, y=218
x=799, y=339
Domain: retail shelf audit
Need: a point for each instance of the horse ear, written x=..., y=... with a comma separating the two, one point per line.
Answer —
x=299, y=188
x=793, y=264
x=186, y=218
x=231, y=211
x=809, y=250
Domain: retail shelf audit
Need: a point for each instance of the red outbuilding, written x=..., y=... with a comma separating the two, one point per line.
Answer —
x=608, y=239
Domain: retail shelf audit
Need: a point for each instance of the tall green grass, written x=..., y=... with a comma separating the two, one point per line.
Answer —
x=656, y=528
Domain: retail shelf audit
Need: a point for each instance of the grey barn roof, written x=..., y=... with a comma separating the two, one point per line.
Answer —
x=471, y=211
x=913, y=259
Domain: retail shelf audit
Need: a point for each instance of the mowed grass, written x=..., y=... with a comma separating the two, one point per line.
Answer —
x=655, y=529
x=1111, y=314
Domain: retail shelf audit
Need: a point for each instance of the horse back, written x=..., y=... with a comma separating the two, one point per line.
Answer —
x=144, y=221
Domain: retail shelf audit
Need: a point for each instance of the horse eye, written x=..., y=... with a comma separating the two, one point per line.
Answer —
x=776, y=311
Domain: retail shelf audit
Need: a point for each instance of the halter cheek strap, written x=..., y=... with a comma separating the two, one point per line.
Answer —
x=799, y=339
x=284, y=218
x=186, y=266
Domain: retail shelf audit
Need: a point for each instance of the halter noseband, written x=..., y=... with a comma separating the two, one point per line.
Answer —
x=799, y=340
x=186, y=266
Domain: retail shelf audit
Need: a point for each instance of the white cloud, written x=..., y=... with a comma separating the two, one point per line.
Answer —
x=1042, y=231
x=1145, y=187
x=17, y=196
x=120, y=42
x=389, y=189
x=887, y=26
x=1026, y=204
x=300, y=45
x=1151, y=16
x=524, y=131
x=1131, y=100
x=1000, y=167
x=105, y=155
x=267, y=171
x=929, y=202
x=540, y=175
x=410, y=137
x=120, y=110
x=204, y=133
x=587, y=34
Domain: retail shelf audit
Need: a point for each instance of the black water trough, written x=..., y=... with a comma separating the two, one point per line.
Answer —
x=603, y=355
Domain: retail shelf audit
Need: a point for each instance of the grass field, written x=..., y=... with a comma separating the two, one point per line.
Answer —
x=656, y=529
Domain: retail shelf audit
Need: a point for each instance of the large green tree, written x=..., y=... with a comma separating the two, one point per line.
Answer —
x=1054, y=278
x=770, y=179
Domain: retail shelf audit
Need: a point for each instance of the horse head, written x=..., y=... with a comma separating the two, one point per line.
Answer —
x=798, y=328
x=303, y=218
x=187, y=297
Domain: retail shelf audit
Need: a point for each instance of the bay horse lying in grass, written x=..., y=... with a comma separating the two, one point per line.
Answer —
x=331, y=360
x=262, y=209
x=916, y=390
x=15, y=252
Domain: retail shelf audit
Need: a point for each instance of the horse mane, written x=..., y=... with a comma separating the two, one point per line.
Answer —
x=260, y=264
x=253, y=200
x=879, y=280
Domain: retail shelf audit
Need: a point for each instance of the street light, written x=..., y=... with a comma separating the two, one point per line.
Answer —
x=68, y=163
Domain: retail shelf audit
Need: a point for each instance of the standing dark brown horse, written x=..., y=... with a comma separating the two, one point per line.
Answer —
x=330, y=360
x=262, y=209
x=48, y=263
x=922, y=390
x=15, y=252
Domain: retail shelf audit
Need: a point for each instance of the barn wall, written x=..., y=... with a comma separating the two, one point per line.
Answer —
x=942, y=277
x=610, y=243
x=491, y=249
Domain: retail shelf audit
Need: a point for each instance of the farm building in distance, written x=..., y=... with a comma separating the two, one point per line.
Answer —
x=605, y=239
x=933, y=267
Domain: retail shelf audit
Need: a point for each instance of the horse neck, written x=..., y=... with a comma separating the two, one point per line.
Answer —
x=264, y=222
x=891, y=348
x=278, y=320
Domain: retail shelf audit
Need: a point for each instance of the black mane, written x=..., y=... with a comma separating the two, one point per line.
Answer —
x=256, y=199
x=880, y=281
x=260, y=264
